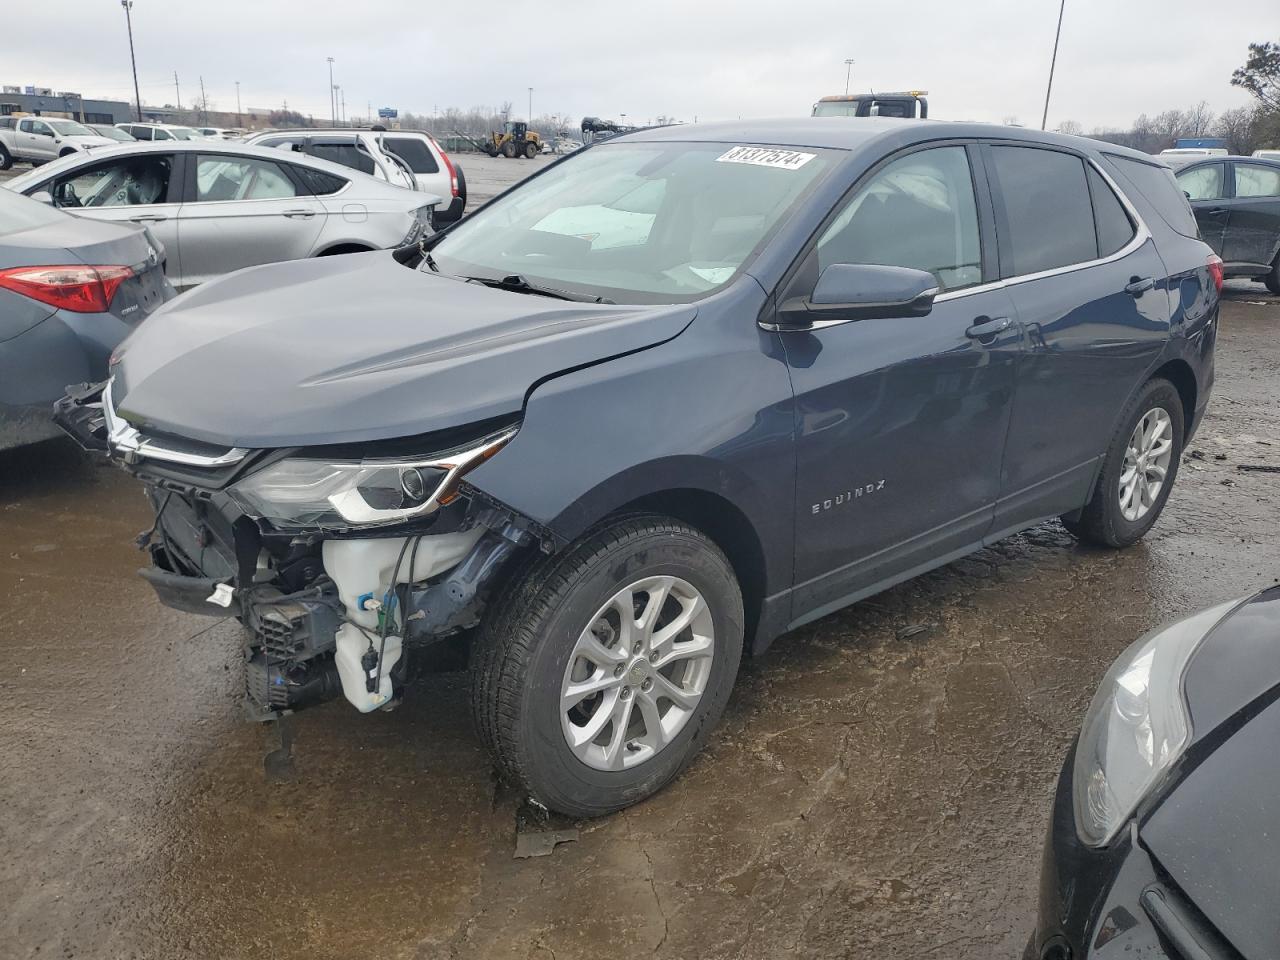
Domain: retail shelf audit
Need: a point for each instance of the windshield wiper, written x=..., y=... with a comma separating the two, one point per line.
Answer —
x=518, y=283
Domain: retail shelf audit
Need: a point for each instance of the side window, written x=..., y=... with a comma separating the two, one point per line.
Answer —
x=240, y=178
x=346, y=154
x=125, y=182
x=142, y=133
x=160, y=134
x=1255, y=180
x=1154, y=183
x=1111, y=221
x=1203, y=183
x=1046, y=200
x=41, y=128
x=321, y=184
x=919, y=211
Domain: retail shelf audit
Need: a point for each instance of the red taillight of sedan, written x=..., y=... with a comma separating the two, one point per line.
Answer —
x=1215, y=271
x=78, y=288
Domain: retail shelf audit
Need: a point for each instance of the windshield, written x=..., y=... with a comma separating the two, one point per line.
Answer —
x=835, y=108
x=111, y=133
x=182, y=133
x=636, y=222
x=69, y=128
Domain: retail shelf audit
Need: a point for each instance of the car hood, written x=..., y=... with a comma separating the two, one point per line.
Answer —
x=356, y=348
x=1217, y=832
x=91, y=141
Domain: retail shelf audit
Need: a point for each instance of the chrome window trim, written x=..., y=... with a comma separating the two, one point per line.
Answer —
x=126, y=440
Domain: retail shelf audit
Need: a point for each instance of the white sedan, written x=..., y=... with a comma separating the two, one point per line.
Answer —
x=218, y=207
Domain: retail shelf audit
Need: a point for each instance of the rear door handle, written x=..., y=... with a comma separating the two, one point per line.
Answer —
x=149, y=218
x=304, y=214
x=986, y=330
x=1137, y=286
x=1216, y=210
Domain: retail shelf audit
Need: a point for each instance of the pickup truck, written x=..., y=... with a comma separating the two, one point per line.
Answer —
x=37, y=140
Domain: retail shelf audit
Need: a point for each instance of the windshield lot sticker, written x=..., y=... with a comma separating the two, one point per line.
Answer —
x=766, y=157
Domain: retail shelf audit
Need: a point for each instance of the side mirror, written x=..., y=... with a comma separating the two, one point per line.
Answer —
x=862, y=291
x=43, y=196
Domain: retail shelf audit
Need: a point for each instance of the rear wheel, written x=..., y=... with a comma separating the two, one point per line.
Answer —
x=509, y=150
x=600, y=674
x=1272, y=279
x=1138, y=472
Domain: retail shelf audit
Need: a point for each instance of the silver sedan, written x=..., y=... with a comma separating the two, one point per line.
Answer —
x=219, y=207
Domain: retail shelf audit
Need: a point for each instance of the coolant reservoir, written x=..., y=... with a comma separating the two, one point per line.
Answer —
x=362, y=569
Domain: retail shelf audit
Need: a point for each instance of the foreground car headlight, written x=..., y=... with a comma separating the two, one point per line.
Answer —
x=1137, y=726
x=301, y=493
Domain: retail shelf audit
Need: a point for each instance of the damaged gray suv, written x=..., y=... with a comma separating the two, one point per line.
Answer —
x=663, y=401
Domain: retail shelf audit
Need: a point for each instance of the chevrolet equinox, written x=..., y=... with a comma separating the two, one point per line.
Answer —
x=665, y=400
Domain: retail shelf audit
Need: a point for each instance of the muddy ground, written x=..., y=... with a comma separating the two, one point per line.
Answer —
x=879, y=786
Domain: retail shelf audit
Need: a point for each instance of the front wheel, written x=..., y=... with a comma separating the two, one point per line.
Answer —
x=530, y=150
x=1138, y=471
x=600, y=674
x=1272, y=278
x=6, y=161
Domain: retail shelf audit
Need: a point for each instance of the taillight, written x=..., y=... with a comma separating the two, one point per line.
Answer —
x=80, y=289
x=1215, y=271
x=448, y=165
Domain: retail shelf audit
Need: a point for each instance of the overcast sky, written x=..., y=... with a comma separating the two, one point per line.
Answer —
x=710, y=59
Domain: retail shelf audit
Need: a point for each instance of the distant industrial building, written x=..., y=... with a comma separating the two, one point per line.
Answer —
x=44, y=102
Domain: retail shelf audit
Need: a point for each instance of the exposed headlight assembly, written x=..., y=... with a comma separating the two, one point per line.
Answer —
x=1137, y=726
x=302, y=493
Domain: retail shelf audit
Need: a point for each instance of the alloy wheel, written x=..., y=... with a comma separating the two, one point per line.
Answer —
x=1146, y=463
x=637, y=673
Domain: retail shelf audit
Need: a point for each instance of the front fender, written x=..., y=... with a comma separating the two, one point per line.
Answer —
x=709, y=411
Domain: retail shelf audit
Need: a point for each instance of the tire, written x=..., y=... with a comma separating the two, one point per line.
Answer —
x=1102, y=521
x=66, y=152
x=462, y=185
x=529, y=649
x=6, y=161
x=530, y=151
x=509, y=150
x=1272, y=279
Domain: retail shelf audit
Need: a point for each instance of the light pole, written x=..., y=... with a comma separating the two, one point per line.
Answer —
x=128, y=19
x=333, y=107
x=239, y=118
x=848, y=70
x=1044, y=119
x=531, y=105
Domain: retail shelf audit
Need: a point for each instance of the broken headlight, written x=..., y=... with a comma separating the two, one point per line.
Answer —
x=300, y=493
x=1137, y=726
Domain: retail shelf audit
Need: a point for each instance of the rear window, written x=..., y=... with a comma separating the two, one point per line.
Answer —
x=414, y=152
x=20, y=213
x=318, y=182
x=1115, y=229
x=1046, y=200
x=1158, y=188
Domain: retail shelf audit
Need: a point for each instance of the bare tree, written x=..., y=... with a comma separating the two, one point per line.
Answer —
x=1239, y=127
x=1198, y=121
x=1070, y=127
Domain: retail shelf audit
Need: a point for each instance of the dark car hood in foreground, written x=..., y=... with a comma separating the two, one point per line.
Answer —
x=354, y=348
x=1217, y=833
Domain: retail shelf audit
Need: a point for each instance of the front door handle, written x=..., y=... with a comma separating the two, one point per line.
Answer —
x=985, y=330
x=1216, y=210
x=149, y=218
x=1137, y=286
x=303, y=214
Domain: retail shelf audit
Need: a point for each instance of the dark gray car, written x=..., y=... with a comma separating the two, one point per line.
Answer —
x=670, y=397
x=1237, y=204
x=70, y=290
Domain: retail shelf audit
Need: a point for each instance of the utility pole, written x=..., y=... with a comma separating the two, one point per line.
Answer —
x=848, y=70
x=1052, y=63
x=128, y=19
x=239, y=118
x=344, y=106
x=333, y=109
x=531, y=105
x=204, y=104
x=176, y=91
